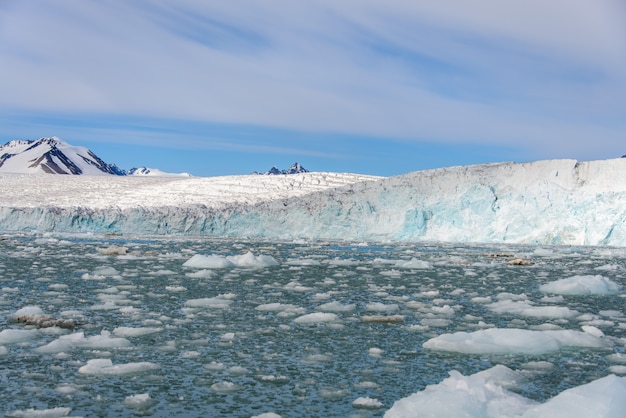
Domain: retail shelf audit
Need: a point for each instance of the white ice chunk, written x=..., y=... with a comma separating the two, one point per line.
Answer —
x=375, y=352
x=317, y=317
x=253, y=261
x=617, y=369
x=40, y=413
x=237, y=370
x=486, y=395
x=28, y=311
x=284, y=309
x=582, y=285
x=274, y=307
x=14, y=336
x=590, y=329
x=317, y=358
x=617, y=358
x=527, y=308
x=367, y=403
x=336, y=307
x=413, y=263
x=208, y=262
x=215, y=366
x=217, y=302
x=225, y=387
x=513, y=341
x=480, y=395
x=106, y=271
x=135, y=332
x=105, y=367
x=381, y=307
x=113, y=250
x=229, y=336
x=602, y=398
x=303, y=262
x=200, y=274
x=78, y=340
x=248, y=260
x=139, y=402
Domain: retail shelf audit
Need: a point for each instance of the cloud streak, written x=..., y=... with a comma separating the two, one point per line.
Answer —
x=534, y=74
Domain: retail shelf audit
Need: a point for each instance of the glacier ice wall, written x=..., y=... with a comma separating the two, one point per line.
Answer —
x=544, y=202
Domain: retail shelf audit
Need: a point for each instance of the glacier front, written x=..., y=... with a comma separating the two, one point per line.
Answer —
x=544, y=202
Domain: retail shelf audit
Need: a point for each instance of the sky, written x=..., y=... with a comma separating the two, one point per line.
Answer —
x=380, y=87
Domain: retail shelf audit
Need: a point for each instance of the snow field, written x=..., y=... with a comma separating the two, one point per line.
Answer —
x=100, y=192
x=561, y=202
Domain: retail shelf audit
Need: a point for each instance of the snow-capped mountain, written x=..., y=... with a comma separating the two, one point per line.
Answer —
x=52, y=156
x=296, y=168
x=55, y=156
x=145, y=171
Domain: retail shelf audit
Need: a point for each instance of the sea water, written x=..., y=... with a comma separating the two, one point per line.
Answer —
x=153, y=326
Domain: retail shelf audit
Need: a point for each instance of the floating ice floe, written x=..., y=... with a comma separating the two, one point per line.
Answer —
x=101, y=272
x=390, y=319
x=316, y=318
x=381, y=307
x=303, y=262
x=514, y=341
x=283, y=310
x=217, y=302
x=113, y=250
x=139, y=402
x=413, y=263
x=78, y=340
x=105, y=367
x=336, y=307
x=367, y=403
x=582, y=285
x=14, y=336
x=135, y=332
x=34, y=316
x=488, y=394
x=527, y=308
x=225, y=387
x=40, y=413
x=375, y=352
x=248, y=260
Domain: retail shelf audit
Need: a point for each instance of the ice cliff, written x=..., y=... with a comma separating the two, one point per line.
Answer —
x=544, y=202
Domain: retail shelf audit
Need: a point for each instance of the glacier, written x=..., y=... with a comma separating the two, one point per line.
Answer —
x=563, y=202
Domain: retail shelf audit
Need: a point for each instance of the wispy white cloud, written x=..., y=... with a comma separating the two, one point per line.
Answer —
x=544, y=75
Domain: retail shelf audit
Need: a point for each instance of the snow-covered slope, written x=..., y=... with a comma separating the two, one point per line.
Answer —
x=145, y=171
x=52, y=156
x=551, y=202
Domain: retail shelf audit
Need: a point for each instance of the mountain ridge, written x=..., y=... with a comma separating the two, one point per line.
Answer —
x=296, y=168
x=52, y=155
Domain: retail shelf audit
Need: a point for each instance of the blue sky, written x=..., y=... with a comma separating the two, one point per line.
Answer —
x=374, y=87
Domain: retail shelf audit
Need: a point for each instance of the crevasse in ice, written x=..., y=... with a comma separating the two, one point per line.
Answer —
x=544, y=202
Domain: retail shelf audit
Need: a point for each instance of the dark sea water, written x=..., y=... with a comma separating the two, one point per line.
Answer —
x=305, y=330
